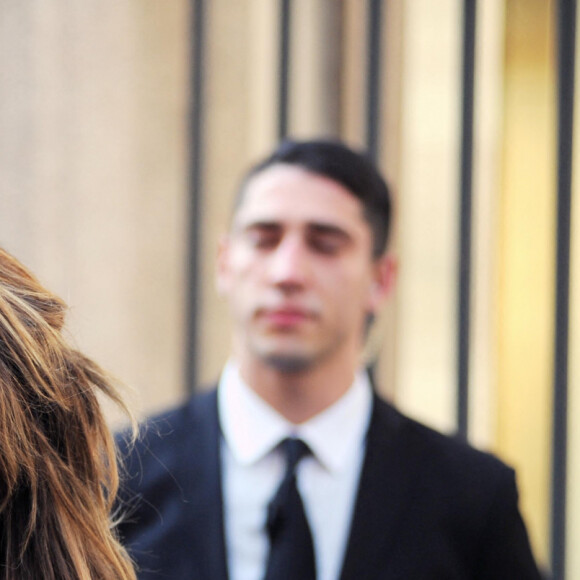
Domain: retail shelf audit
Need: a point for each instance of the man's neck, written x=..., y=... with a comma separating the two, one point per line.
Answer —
x=298, y=396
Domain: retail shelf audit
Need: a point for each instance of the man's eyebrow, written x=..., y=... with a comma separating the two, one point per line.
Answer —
x=329, y=229
x=317, y=228
x=258, y=225
x=261, y=225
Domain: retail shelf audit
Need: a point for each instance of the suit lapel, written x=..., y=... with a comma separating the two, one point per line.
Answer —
x=383, y=496
x=208, y=521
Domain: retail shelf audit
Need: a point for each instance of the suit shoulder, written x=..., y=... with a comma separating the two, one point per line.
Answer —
x=166, y=433
x=467, y=498
x=448, y=455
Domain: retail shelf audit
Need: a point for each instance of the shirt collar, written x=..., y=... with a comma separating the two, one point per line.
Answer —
x=252, y=428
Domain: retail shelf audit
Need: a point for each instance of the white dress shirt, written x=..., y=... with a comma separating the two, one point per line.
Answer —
x=253, y=469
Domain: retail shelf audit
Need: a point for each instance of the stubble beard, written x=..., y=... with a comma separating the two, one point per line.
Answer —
x=296, y=362
x=288, y=364
x=289, y=359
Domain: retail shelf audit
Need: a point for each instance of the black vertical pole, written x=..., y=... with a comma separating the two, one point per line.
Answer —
x=197, y=57
x=373, y=97
x=566, y=58
x=284, y=72
x=374, y=54
x=469, y=30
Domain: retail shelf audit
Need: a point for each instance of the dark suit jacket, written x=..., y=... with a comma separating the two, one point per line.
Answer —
x=428, y=506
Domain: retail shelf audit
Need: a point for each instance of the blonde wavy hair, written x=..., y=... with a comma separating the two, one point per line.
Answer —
x=58, y=470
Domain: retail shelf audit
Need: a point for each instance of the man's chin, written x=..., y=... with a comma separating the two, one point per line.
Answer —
x=288, y=363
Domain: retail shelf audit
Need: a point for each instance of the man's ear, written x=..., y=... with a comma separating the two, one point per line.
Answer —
x=222, y=278
x=384, y=275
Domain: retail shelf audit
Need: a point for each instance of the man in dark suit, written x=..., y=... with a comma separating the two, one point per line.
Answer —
x=294, y=468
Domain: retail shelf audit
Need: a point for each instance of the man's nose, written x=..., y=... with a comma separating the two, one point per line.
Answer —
x=289, y=264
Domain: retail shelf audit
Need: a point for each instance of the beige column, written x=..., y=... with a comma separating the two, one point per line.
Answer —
x=262, y=30
x=487, y=175
x=353, y=72
x=427, y=211
x=315, y=63
x=93, y=106
x=227, y=141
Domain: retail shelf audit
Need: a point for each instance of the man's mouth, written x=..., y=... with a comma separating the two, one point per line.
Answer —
x=286, y=316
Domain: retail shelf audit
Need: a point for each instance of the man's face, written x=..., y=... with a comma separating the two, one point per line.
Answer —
x=298, y=271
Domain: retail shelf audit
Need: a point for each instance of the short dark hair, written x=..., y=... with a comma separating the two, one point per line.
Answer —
x=353, y=170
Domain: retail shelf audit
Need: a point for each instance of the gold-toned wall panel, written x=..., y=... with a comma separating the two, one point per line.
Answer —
x=525, y=307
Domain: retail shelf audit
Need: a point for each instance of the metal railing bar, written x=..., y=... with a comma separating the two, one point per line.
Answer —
x=284, y=70
x=196, y=118
x=374, y=59
x=466, y=194
x=566, y=62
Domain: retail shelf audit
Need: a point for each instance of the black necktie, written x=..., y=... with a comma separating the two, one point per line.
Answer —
x=291, y=550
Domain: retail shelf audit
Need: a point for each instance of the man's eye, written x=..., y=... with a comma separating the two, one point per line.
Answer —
x=326, y=244
x=263, y=239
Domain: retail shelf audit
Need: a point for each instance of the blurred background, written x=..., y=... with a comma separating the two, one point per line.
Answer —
x=125, y=127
